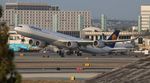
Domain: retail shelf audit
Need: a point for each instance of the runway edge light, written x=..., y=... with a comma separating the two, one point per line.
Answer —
x=21, y=55
x=72, y=78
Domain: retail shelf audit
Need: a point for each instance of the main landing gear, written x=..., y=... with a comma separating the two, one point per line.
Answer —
x=69, y=52
x=78, y=53
x=61, y=53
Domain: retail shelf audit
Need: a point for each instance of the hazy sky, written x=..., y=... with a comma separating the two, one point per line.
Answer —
x=115, y=9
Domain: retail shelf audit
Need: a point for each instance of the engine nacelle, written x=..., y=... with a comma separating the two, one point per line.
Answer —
x=32, y=42
x=72, y=44
x=40, y=43
x=99, y=44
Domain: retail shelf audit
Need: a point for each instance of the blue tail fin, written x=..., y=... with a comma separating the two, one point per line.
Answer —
x=114, y=36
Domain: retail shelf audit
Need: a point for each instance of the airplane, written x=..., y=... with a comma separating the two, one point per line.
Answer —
x=42, y=38
x=105, y=45
x=125, y=44
x=111, y=45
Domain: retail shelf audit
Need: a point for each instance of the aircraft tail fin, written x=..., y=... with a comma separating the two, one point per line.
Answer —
x=114, y=36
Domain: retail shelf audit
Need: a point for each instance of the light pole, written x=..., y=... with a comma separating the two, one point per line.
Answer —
x=139, y=23
x=103, y=22
x=149, y=24
x=1, y=11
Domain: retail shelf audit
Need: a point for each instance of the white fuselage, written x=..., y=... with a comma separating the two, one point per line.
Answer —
x=46, y=36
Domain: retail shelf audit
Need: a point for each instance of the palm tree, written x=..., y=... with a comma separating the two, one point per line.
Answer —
x=8, y=73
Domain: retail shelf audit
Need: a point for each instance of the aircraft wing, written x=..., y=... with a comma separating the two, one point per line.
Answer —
x=79, y=42
x=124, y=40
x=120, y=49
x=85, y=43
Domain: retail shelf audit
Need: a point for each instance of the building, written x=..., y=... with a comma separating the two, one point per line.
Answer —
x=31, y=6
x=145, y=17
x=2, y=2
x=145, y=23
x=11, y=1
x=94, y=33
x=45, y=16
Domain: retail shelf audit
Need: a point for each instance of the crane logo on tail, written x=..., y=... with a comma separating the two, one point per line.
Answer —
x=114, y=37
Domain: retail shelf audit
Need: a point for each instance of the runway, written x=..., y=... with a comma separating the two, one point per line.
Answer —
x=32, y=64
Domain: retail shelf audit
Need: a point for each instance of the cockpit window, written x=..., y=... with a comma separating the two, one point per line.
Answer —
x=35, y=28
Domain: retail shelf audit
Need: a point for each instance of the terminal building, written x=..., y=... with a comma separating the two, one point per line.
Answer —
x=94, y=33
x=47, y=17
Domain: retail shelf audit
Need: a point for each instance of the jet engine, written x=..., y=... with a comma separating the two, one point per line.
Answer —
x=40, y=43
x=32, y=42
x=72, y=44
x=99, y=44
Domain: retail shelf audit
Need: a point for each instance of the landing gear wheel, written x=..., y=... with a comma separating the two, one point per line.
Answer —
x=79, y=54
x=69, y=52
x=61, y=53
x=48, y=56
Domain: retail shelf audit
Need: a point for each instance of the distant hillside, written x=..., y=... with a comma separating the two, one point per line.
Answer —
x=113, y=24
